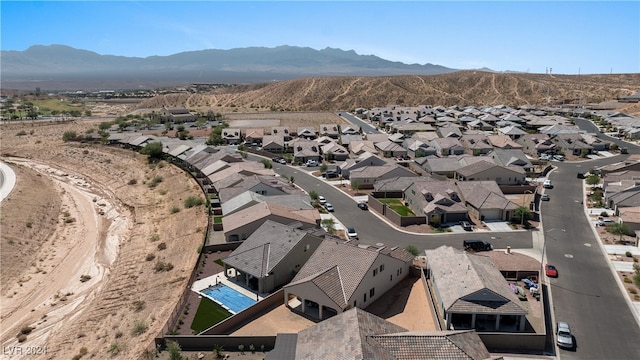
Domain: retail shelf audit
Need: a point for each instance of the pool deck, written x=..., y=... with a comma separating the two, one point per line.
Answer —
x=219, y=278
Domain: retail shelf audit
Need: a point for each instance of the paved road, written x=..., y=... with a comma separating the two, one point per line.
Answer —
x=365, y=126
x=586, y=293
x=371, y=230
x=7, y=180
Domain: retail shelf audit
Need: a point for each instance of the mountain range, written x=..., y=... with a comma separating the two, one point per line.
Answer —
x=60, y=67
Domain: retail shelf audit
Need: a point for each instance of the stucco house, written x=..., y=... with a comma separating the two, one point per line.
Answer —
x=241, y=224
x=231, y=136
x=333, y=151
x=176, y=115
x=273, y=143
x=330, y=130
x=488, y=170
x=271, y=256
x=367, y=176
x=439, y=201
x=365, y=159
x=254, y=136
x=389, y=148
x=343, y=275
x=282, y=131
x=511, y=157
x=485, y=200
x=308, y=133
x=470, y=292
x=446, y=146
x=304, y=150
x=357, y=334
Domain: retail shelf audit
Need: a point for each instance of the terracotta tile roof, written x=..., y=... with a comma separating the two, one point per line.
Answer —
x=263, y=210
x=443, y=345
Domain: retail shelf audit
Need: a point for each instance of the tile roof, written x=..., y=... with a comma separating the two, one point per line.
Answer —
x=263, y=250
x=442, y=345
x=485, y=195
x=470, y=283
x=346, y=336
x=263, y=210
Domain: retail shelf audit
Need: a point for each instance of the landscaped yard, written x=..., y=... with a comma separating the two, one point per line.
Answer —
x=397, y=206
x=209, y=313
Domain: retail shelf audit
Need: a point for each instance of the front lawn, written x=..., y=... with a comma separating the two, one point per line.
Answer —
x=209, y=313
x=397, y=206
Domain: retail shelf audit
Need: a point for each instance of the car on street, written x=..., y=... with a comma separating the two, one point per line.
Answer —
x=558, y=157
x=329, y=207
x=351, y=233
x=363, y=206
x=322, y=200
x=564, y=339
x=466, y=225
x=551, y=270
x=544, y=197
x=547, y=184
x=476, y=245
x=279, y=160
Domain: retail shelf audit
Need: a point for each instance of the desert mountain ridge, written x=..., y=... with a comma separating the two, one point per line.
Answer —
x=461, y=88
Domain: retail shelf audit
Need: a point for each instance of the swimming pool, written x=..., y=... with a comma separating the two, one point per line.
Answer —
x=228, y=298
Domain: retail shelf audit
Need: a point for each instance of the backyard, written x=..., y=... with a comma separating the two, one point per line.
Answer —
x=398, y=206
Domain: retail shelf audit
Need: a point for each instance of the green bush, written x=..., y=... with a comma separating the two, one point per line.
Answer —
x=154, y=181
x=139, y=327
x=192, y=201
x=174, y=209
x=628, y=254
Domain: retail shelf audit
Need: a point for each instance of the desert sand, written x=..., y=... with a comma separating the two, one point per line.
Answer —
x=82, y=238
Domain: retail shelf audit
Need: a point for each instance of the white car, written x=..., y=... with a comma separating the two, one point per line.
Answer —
x=351, y=233
x=605, y=222
x=563, y=335
x=547, y=184
x=312, y=163
x=544, y=197
x=329, y=207
x=322, y=200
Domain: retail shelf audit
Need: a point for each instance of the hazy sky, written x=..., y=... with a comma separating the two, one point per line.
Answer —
x=590, y=37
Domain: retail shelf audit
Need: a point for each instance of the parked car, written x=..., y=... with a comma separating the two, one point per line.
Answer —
x=363, y=206
x=312, y=163
x=550, y=270
x=476, y=245
x=544, y=197
x=547, y=184
x=330, y=174
x=605, y=222
x=329, y=207
x=466, y=225
x=351, y=233
x=279, y=160
x=563, y=335
x=322, y=200
x=558, y=157
x=580, y=175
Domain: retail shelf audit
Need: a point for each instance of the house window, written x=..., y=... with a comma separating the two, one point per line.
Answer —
x=391, y=277
x=382, y=268
x=375, y=272
x=354, y=303
x=365, y=297
x=372, y=292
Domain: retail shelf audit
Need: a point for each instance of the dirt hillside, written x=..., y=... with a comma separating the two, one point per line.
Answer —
x=93, y=258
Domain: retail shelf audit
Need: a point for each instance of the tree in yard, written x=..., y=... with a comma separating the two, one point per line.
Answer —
x=267, y=164
x=412, y=250
x=313, y=195
x=329, y=224
x=618, y=229
x=153, y=150
x=593, y=179
x=355, y=186
x=175, y=352
x=523, y=214
x=323, y=168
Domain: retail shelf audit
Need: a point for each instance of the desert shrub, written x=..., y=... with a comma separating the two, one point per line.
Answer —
x=154, y=181
x=162, y=246
x=118, y=334
x=628, y=281
x=628, y=254
x=192, y=201
x=150, y=257
x=174, y=350
x=69, y=135
x=21, y=133
x=604, y=214
x=162, y=266
x=85, y=278
x=29, y=224
x=412, y=250
x=26, y=330
x=132, y=182
x=139, y=327
x=174, y=209
x=633, y=291
x=139, y=305
x=83, y=351
x=22, y=338
x=154, y=237
x=115, y=348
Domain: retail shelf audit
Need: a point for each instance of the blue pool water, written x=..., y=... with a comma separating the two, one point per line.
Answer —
x=230, y=298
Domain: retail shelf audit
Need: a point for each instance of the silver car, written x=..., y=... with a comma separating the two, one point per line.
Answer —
x=563, y=335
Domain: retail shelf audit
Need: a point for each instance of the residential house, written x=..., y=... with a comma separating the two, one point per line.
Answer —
x=307, y=133
x=333, y=151
x=409, y=129
x=376, y=138
x=416, y=148
x=241, y=224
x=630, y=163
x=476, y=144
x=511, y=157
x=359, y=147
x=371, y=337
x=271, y=256
x=231, y=136
x=447, y=146
x=330, y=130
x=273, y=143
x=367, y=176
x=477, y=124
x=254, y=136
x=346, y=140
x=503, y=142
x=282, y=131
x=449, y=130
x=304, y=150
x=485, y=200
x=390, y=149
x=365, y=159
x=447, y=166
x=438, y=201
x=470, y=293
x=343, y=275
x=488, y=170
x=536, y=144
x=249, y=198
x=571, y=144
x=513, y=132
x=266, y=185
x=350, y=130
x=557, y=129
x=176, y=115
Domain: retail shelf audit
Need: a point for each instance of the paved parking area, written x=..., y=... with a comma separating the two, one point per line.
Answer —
x=502, y=226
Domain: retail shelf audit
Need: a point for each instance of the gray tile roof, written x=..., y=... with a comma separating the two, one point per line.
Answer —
x=346, y=336
x=265, y=248
x=443, y=345
x=485, y=195
x=470, y=283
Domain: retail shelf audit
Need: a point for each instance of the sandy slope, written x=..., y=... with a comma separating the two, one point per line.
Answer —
x=95, y=223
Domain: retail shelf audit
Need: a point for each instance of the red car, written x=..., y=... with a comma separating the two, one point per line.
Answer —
x=551, y=270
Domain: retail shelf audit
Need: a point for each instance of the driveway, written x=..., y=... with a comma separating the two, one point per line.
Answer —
x=499, y=226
